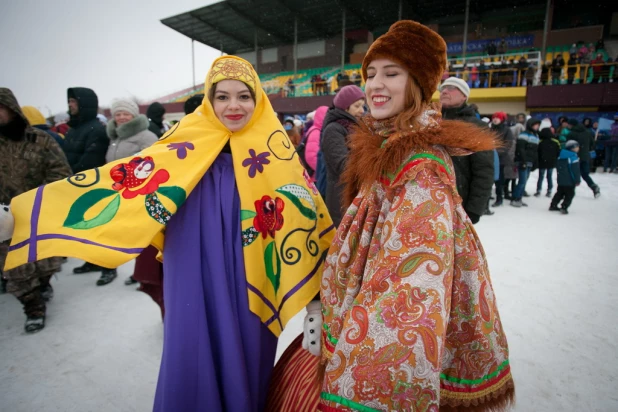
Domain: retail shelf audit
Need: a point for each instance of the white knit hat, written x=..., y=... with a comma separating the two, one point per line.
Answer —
x=545, y=124
x=460, y=84
x=125, y=105
x=61, y=118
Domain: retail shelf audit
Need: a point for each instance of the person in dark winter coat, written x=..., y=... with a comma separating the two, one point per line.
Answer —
x=568, y=177
x=556, y=70
x=348, y=107
x=155, y=114
x=30, y=158
x=474, y=173
x=526, y=157
x=545, y=69
x=498, y=124
x=549, y=150
x=86, y=142
x=192, y=103
x=571, y=68
x=585, y=138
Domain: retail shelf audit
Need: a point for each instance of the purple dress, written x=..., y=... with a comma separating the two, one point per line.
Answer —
x=217, y=355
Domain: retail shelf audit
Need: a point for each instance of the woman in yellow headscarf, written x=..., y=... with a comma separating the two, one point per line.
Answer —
x=242, y=229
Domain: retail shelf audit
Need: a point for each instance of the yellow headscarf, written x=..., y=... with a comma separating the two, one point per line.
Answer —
x=108, y=215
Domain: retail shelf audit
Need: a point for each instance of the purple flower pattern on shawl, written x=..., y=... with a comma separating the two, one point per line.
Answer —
x=181, y=148
x=256, y=162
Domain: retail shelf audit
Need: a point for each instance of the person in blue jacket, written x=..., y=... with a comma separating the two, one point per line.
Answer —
x=569, y=176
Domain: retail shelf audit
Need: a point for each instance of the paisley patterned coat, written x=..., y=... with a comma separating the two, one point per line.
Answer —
x=410, y=316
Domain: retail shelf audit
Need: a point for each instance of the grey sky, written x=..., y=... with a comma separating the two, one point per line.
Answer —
x=117, y=48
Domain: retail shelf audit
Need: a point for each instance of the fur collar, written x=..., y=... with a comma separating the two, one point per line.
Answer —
x=375, y=149
x=131, y=128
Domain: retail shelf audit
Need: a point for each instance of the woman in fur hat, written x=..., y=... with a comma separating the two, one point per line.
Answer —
x=410, y=320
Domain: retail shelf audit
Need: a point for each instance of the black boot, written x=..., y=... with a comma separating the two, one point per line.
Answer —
x=34, y=307
x=34, y=324
x=2, y=285
x=130, y=281
x=87, y=268
x=597, y=192
x=107, y=276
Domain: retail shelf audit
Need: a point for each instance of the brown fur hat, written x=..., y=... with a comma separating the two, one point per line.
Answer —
x=420, y=50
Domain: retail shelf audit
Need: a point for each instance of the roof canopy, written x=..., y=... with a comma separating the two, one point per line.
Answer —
x=231, y=25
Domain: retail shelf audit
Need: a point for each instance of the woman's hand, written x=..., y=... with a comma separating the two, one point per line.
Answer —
x=7, y=223
x=312, y=328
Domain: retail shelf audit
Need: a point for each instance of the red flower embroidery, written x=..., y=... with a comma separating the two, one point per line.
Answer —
x=269, y=218
x=136, y=174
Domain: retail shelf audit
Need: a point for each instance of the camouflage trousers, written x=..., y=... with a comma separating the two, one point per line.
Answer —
x=26, y=282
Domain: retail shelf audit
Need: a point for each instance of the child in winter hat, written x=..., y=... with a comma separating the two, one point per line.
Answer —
x=347, y=96
x=569, y=176
x=500, y=116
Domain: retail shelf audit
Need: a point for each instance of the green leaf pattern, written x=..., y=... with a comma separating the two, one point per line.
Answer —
x=272, y=262
x=76, y=217
x=247, y=214
x=295, y=194
x=174, y=193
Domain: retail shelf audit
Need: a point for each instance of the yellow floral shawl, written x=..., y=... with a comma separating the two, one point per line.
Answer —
x=108, y=215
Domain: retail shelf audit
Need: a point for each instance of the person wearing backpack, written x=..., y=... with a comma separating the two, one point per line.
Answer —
x=310, y=145
x=348, y=108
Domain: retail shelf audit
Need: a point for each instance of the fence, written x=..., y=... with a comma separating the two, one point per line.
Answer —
x=535, y=76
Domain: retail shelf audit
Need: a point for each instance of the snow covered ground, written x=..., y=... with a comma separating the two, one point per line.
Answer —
x=556, y=279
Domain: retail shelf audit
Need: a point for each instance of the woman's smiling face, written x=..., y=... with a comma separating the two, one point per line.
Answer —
x=233, y=104
x=385, y=88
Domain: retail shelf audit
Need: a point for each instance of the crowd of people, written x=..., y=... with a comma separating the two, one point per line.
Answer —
x=530, y=148
x=586, y=64
x=510, y=73
x=588, y=67
x=495, y=72
x=389, y=185
x=83, y=139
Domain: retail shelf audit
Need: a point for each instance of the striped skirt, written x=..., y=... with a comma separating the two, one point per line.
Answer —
x=294, y=385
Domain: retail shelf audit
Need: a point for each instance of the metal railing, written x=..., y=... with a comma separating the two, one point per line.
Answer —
x=580, y=74
x=531, y=56
x=534, y=76
x=490, y=78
